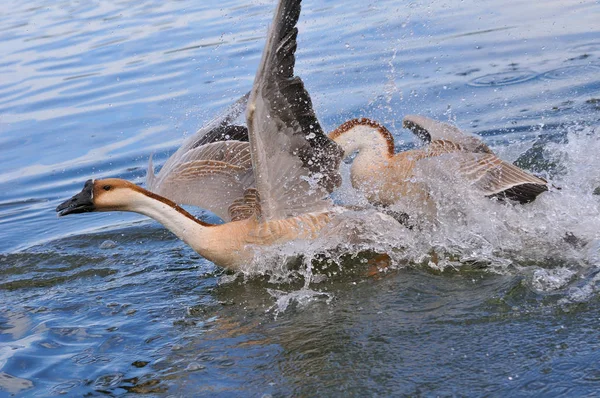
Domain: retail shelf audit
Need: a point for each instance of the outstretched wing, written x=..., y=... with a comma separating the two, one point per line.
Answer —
x=295, y=163
x=218, y=129
x=476, y=161
x=221, y=128
x=211, y=169
x=429, y=130
x=211, y=176
x=497, y=178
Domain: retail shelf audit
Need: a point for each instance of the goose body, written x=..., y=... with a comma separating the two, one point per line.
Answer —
x=270, y=190
x=386, y=177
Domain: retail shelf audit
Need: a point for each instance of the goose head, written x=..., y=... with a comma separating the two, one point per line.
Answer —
x=363, y=135
x=110, y=194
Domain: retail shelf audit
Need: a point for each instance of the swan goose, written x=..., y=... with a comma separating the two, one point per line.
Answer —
x=386, y=177
x=294, y=168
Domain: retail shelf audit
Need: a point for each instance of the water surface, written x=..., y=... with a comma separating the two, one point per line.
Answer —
x=112, y=303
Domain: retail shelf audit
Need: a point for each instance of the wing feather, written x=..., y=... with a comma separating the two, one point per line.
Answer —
x=295, y=163
x=221, y=128
x=210, y=169
x=246, y=206
x=476, y=161
x=218, y=129
x=497, y=178
x=211, y=176
x=488, y=173
x=429, y=130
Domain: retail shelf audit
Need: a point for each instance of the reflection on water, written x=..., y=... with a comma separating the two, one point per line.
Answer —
x=112, y=303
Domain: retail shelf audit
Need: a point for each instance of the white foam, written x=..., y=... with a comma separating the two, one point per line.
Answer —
x=550, y=240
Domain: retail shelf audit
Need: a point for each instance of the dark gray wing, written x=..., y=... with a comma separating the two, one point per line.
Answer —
x=228, y=132
x=221, y=128
x=295, y=163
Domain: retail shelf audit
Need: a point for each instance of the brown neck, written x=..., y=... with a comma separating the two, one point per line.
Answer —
x=171, y=204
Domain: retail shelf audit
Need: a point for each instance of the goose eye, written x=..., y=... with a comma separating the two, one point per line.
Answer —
x=106, y=187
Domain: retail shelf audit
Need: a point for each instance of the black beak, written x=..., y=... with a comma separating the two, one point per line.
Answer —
x=81, y=203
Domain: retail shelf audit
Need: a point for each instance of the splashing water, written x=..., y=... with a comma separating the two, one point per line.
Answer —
x=300, y=298
x=557, y=229
x=552, y=240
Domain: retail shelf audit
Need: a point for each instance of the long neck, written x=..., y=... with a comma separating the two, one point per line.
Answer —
x=187, y=228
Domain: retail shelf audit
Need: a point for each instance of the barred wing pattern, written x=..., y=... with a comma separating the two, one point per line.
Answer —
x=476, y=161
x=211, y=176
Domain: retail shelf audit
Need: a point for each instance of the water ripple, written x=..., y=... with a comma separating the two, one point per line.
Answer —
x=573, y=72
x=112, y=304
x=503, y=78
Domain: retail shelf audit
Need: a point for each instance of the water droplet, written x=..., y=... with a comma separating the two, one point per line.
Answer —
x=108, y=244
x=194, y=366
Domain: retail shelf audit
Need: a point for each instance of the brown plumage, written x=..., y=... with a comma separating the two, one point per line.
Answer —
x=386, y=177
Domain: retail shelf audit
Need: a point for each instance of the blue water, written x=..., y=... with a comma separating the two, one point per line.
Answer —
x=105, y=304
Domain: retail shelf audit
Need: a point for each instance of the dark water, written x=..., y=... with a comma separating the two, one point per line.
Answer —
x=106, y=304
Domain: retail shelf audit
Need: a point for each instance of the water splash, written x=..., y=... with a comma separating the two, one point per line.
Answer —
x=554, y=230
x=551, y=241
x=299, y=298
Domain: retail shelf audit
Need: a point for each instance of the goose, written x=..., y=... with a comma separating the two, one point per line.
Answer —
x=386, y=177
x=294, y=167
